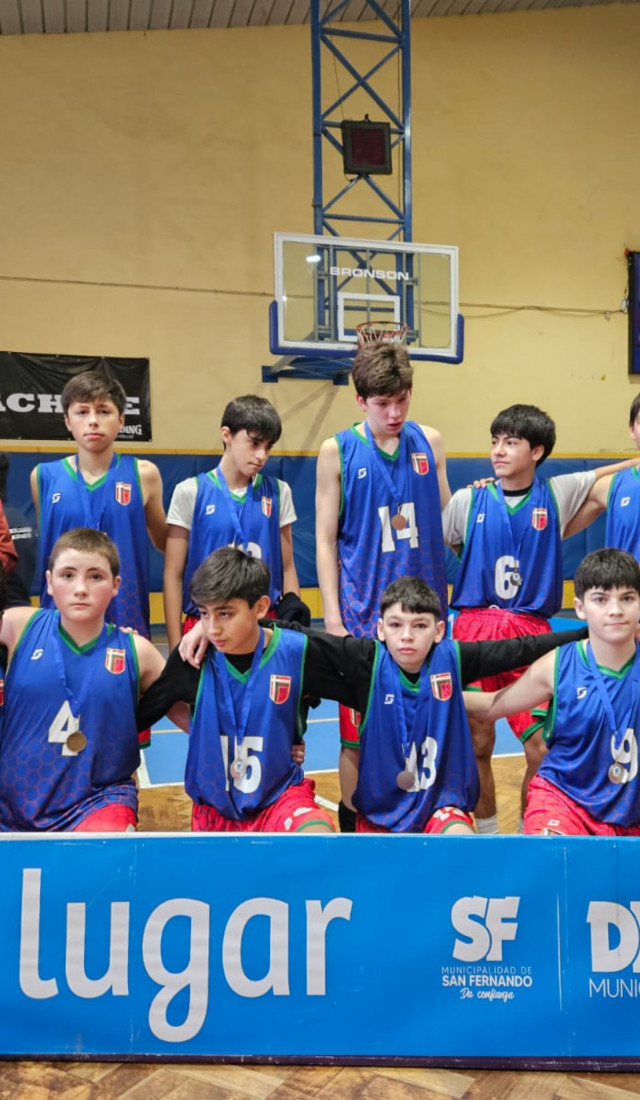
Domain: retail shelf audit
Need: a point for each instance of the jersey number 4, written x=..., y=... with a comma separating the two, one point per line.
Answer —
x=64, y=724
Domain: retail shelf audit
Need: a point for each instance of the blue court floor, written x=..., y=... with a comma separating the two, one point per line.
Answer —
x=164, y=762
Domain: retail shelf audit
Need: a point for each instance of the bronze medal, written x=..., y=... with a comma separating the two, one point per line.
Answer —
x=405, y=780
x=398, y=522
x=76, y=741
x=616, y=773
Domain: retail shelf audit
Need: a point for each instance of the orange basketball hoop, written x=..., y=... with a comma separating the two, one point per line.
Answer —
x=381, y=332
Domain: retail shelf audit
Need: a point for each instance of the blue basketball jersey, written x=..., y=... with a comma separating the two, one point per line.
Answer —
x=623, y=512
x=372, y=552
x=593, y=766
x=274, y=717
x=512, y=557
x=212, y=527
x=47, y=782
x=440, y=752
x=114, y=504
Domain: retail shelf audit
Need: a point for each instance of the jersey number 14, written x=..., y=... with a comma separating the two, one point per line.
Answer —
x=391, y=533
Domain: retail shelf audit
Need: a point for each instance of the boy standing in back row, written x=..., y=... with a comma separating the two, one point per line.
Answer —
x=510, y=581
x=115, y=493
x=620, y=495
x=381, y=485
x=233, y=505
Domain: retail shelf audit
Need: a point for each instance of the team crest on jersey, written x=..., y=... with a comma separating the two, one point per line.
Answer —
x=210, y=509
x=115, y=661
x=539, y=519
x=420, y=462
x=37, y=654
x=581, y=692
x=267, y=504
x=279, y=688
x=362, y=472
x=123, y=492
x=480, y=517
x=625, y=501
x=388, y=699
x=55, y=498
x=442, y=686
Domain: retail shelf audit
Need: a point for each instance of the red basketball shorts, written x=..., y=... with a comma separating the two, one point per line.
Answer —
x=488, y=624
x=293, y=812
x=441, y=821
x=549, y=810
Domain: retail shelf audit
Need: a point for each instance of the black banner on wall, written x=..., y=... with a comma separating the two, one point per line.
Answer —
x=30, y=388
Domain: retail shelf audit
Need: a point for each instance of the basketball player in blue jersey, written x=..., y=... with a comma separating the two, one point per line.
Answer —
x=115, y=493
x=247, y=707
x=620, y=495
x=417, y=767
x=508, y=536
x=587, y=783
x=381, y=485
x=69, y=743
x=233, y=505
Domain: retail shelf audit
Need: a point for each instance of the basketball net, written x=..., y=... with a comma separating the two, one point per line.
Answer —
x=381, y=332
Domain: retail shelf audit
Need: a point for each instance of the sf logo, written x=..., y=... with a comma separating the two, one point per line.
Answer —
x=486, y=923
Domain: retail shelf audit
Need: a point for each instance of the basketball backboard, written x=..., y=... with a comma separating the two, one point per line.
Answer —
x=325, y=286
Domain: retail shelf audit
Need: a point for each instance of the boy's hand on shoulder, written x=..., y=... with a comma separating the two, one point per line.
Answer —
x=336, y=627
x=481, y=483
x=193, y=646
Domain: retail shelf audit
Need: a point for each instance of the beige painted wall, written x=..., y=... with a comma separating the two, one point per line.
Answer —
x=144, y=175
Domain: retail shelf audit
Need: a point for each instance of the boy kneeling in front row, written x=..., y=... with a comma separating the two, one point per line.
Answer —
x=69, y=740
x=417, y=769
x=587, y=784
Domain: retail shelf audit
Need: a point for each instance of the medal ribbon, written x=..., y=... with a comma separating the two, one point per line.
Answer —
x=89, y=495
x=382, y=467
x=236, y=510
x=604, y=694
x=506, y=519
x=249, y=691
x=423, y=693
x=58, y=656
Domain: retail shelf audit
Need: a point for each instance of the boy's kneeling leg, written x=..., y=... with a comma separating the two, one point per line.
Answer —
x=296, y=811
x=450, y=820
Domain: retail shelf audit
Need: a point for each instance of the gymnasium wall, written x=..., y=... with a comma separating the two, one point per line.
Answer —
x=144, y=174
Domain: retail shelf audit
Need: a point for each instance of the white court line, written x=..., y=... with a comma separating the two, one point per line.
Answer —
x=326, y=804
x=143, y=774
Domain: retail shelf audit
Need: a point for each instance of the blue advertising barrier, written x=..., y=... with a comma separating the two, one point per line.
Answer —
x=434, y=950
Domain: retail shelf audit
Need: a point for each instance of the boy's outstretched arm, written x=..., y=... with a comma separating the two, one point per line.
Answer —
x=532, y=689
x=489, y=658
x=151, y=665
